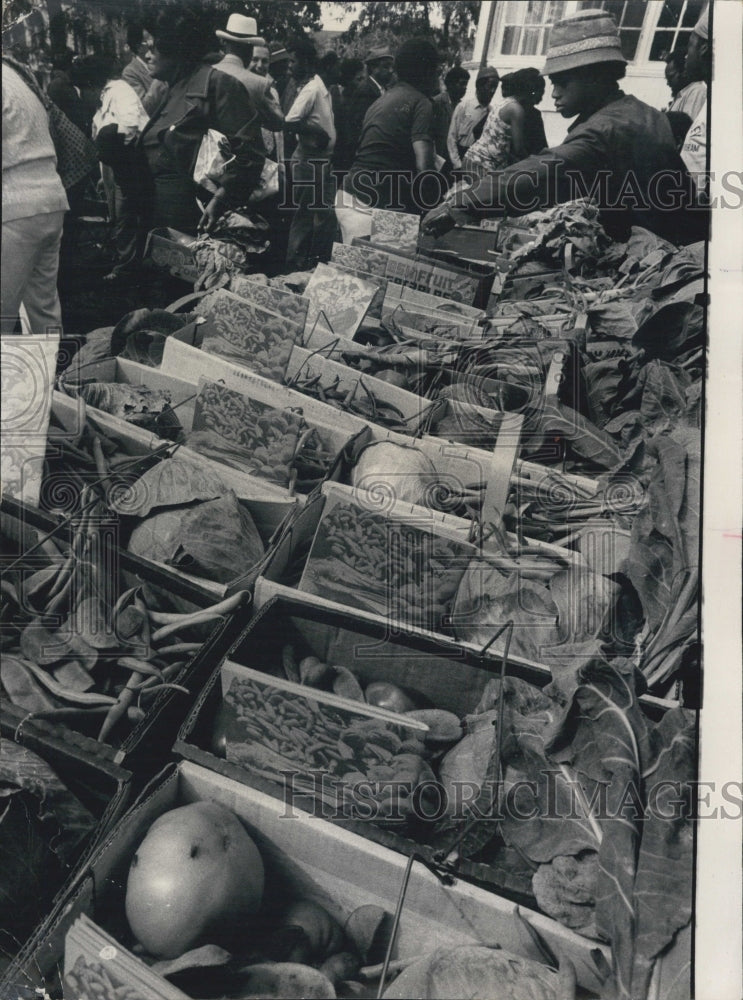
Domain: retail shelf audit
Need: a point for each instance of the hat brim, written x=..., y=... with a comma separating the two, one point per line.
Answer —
x=592, y=57
x=244, y=39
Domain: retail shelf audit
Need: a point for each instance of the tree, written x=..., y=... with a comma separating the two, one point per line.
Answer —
x=449, y=23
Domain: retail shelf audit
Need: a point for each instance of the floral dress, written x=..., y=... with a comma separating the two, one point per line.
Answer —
x=493, y=150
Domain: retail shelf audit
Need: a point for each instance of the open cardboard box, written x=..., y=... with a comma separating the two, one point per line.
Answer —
x=182, y=355
x=282, y=574
x=269, y=506
x=433, y=670
x=452, y=678
x=307, y=857
x=103, y=788
x=137, y=441
x=149, y=739
x=329, y=372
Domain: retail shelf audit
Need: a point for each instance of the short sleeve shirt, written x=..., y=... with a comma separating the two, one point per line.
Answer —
x=400, y=117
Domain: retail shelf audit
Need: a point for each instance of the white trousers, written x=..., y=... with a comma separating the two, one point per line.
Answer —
x=28, y=272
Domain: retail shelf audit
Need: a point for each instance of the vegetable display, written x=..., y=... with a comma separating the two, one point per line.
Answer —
x=563, y=571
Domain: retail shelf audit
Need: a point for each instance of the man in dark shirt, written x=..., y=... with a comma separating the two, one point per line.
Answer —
x=618, y=150
x=396, y=142
x=380, y=72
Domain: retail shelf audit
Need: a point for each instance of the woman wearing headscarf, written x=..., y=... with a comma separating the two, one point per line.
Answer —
x=618, y=150
x=199, y=98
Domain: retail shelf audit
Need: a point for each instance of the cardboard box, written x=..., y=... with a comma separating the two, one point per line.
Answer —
x=308, y=857
x=150, y=738
x=137, y=441
x=413, y=410
x=169, y=249
x=435, y=672
x=102, y=787
x=269, y=505
x=465, y=242
x=283, y=573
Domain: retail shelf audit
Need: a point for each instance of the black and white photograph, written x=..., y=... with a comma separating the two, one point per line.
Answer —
x=371, y=500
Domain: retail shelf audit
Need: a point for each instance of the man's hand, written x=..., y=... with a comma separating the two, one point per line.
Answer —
x=212, y=213
x=444, y=218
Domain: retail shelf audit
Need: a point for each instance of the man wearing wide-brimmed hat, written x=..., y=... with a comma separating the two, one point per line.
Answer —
x=619, y=150
x=239, y=38
x=380, y=71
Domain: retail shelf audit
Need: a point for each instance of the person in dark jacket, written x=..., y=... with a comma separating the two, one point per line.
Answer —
x=199, y=98
x=351, y=76
x=380, y=72
x=137, y=73
x=62, y=91
x=619, y=149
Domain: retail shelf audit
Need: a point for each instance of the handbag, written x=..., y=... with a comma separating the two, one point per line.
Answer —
x=76, y=154
x=215, y=154
x=268, y=183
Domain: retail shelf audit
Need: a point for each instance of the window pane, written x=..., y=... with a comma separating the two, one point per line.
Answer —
x=536, y=10
x=634, y=13
x=662, y=42
x=669, y=16
x=530, y=41
x=629, y=43
x=511, y=37
x=615, y=8
x=693, y=12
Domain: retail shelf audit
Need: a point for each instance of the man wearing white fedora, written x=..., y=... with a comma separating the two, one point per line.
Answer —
x=239, y=37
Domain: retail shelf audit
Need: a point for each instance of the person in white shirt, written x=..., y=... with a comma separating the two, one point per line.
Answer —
x=312, y=190
x=469, y=113
x=698, y=68
x=117, y=124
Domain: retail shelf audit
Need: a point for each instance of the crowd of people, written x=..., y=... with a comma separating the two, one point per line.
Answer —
x=312, y=142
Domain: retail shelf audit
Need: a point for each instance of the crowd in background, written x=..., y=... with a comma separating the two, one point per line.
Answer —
x=313, y=140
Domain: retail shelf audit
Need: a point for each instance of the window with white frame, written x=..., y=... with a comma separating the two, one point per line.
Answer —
x=526, y=24
x=648, y=28
x=629, y=15
x=674, y=26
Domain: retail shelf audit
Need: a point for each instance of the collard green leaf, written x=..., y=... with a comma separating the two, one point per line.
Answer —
x=671, y=330
x=584, y=438
x=663, y=405
x=170, y=483
x=55, y=804
x=604, y=737
x=665, y=870
x=216, y=539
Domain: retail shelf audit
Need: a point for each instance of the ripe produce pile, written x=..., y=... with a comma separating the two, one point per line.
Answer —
x=517, y=480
